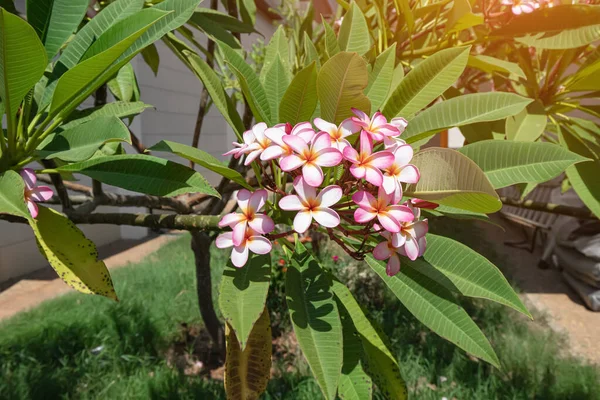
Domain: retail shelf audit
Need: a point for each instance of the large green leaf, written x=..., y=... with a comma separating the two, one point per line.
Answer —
x=426, y=82
x=528, y=125
x=380, y=77
x=201, y=158
x=450, y=178
x=251, y=87
x=243, y=293
x=583, y=176
x=55, y=20
x=472, y=273
x=300, y=98
x=354, y=32
x=22, y=62
x=340, y=86
x=506, y=163
x=71, y=254
x=215, y=30
x=144, y=174
x=217, y=93
x=376, y=360
x=315, y=318
x=12, y=199
x=225, y=21
x=82, y=141
x=276, y=83
x=491, y=64
x=433, y=305
x=464, y=110
x=120, y=109
x=278, y=47
x=77, y=83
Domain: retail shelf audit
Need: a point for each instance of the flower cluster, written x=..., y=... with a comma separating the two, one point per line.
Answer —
x=347, y=180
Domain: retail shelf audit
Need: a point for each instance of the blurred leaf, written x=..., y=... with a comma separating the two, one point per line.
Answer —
x=491, y=64
x=528, y=125
x=55, y=20
x=483, y=131
x=12, y=199
x=82, y=141
x=152, y=58
x=315, y=318
x=71, y=254
x=506, y=163
x=461, y=17
x=276, y=84
x=225, y=21
x=201, y=158
x=354, y=32
x=340, y=86
x=9, y=6
x=247, y=9
x=435, y=306
x=215, y=30
x=119, y=109
x=428, y=80
x=143, y=174
x=585, y=79
x=300, y=98
x=380, y=77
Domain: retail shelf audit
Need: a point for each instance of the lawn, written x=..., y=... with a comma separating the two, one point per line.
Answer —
x=87, y=347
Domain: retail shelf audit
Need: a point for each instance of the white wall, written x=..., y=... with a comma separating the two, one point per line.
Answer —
x=175, y=94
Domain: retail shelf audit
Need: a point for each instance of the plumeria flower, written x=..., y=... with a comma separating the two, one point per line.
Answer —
x=393, y=142
x=367, y=164
x=339, y=133
x=400, y=171
x=312, y=206
x=34, y=193
x=376, y=127
x=521, y=7
x=255, y=142
x=311, y=157
x=389, y=215
x=411, y=238
x=419, y=203
x=251, y=241
x=250, y=204
x=386, y=251
x=278, y=147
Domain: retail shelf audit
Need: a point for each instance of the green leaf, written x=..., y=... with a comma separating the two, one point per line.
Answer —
x=251, y=87
x=583, y=176
x=71, y=254
x=490, y=64
x=472, y=273
x=434, y=305
x=77, y=83
x=450, y=178
x=82, y=141
x=380, y=77
x=528, y=125
x=315, y=318
x=300, y=98
x=22, y=62
x=276, y=84
x=464, y=110
x=396, y=79
x=12, y=199
x=340, y=86
x=9, y=5
x=55, y=20
x=214, y=30
x=201, y=158
x=143, y=174
x=120, y=109
x=247, y=10
x=461, y=17
x=122, y=85
x=506, y=163
x=377, y=360
x=354, y=32
x=332, y=46
x=226, y=21
x=278, y=46
x=428, y=80
x=569, y=39
x=484, y=131
x=311, y=52
x=243, y=293
x=586, y=78
x=152, y=58
x=217, y=93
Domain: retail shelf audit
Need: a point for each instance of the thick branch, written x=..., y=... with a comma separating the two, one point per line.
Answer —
x=577, y=212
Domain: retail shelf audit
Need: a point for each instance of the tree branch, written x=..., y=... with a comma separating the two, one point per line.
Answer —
x=75, y=187
x=577, y=212
x=58, y=183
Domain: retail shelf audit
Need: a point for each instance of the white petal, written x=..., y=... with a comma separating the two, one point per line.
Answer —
x=326, y=217
x=291, y=203
x=329, y=196
x=321, y=141
x=258, y=200
x=302, y=221
x=259, y=245
x=312, y=174
x=224, y=240
x=382, y=251
x=403, y=154
x=243, y=199
x=325, y=126
x=304, y=190
x=239, y=256
x=272, y=152
x=409, y=174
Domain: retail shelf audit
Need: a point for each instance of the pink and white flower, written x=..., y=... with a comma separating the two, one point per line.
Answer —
x=411, y=238
x=255, y=142
x=389, y=215
x=312, y=206
x=367, y=164
x=311, y=157
x=339, y=133
x=521, y=7
x=251, y=241
x=386, y=251
x=392, y=142
x=278, y=147
x=34, y=193
x=250, y=204
x=400, y=171
x=376, y=127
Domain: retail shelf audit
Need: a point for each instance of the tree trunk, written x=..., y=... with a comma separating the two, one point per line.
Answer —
x=201, y=247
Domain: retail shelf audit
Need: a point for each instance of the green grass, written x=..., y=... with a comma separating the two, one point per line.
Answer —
x=52, y=351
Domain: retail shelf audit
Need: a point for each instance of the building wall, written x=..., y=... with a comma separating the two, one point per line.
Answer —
x=175, y=94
